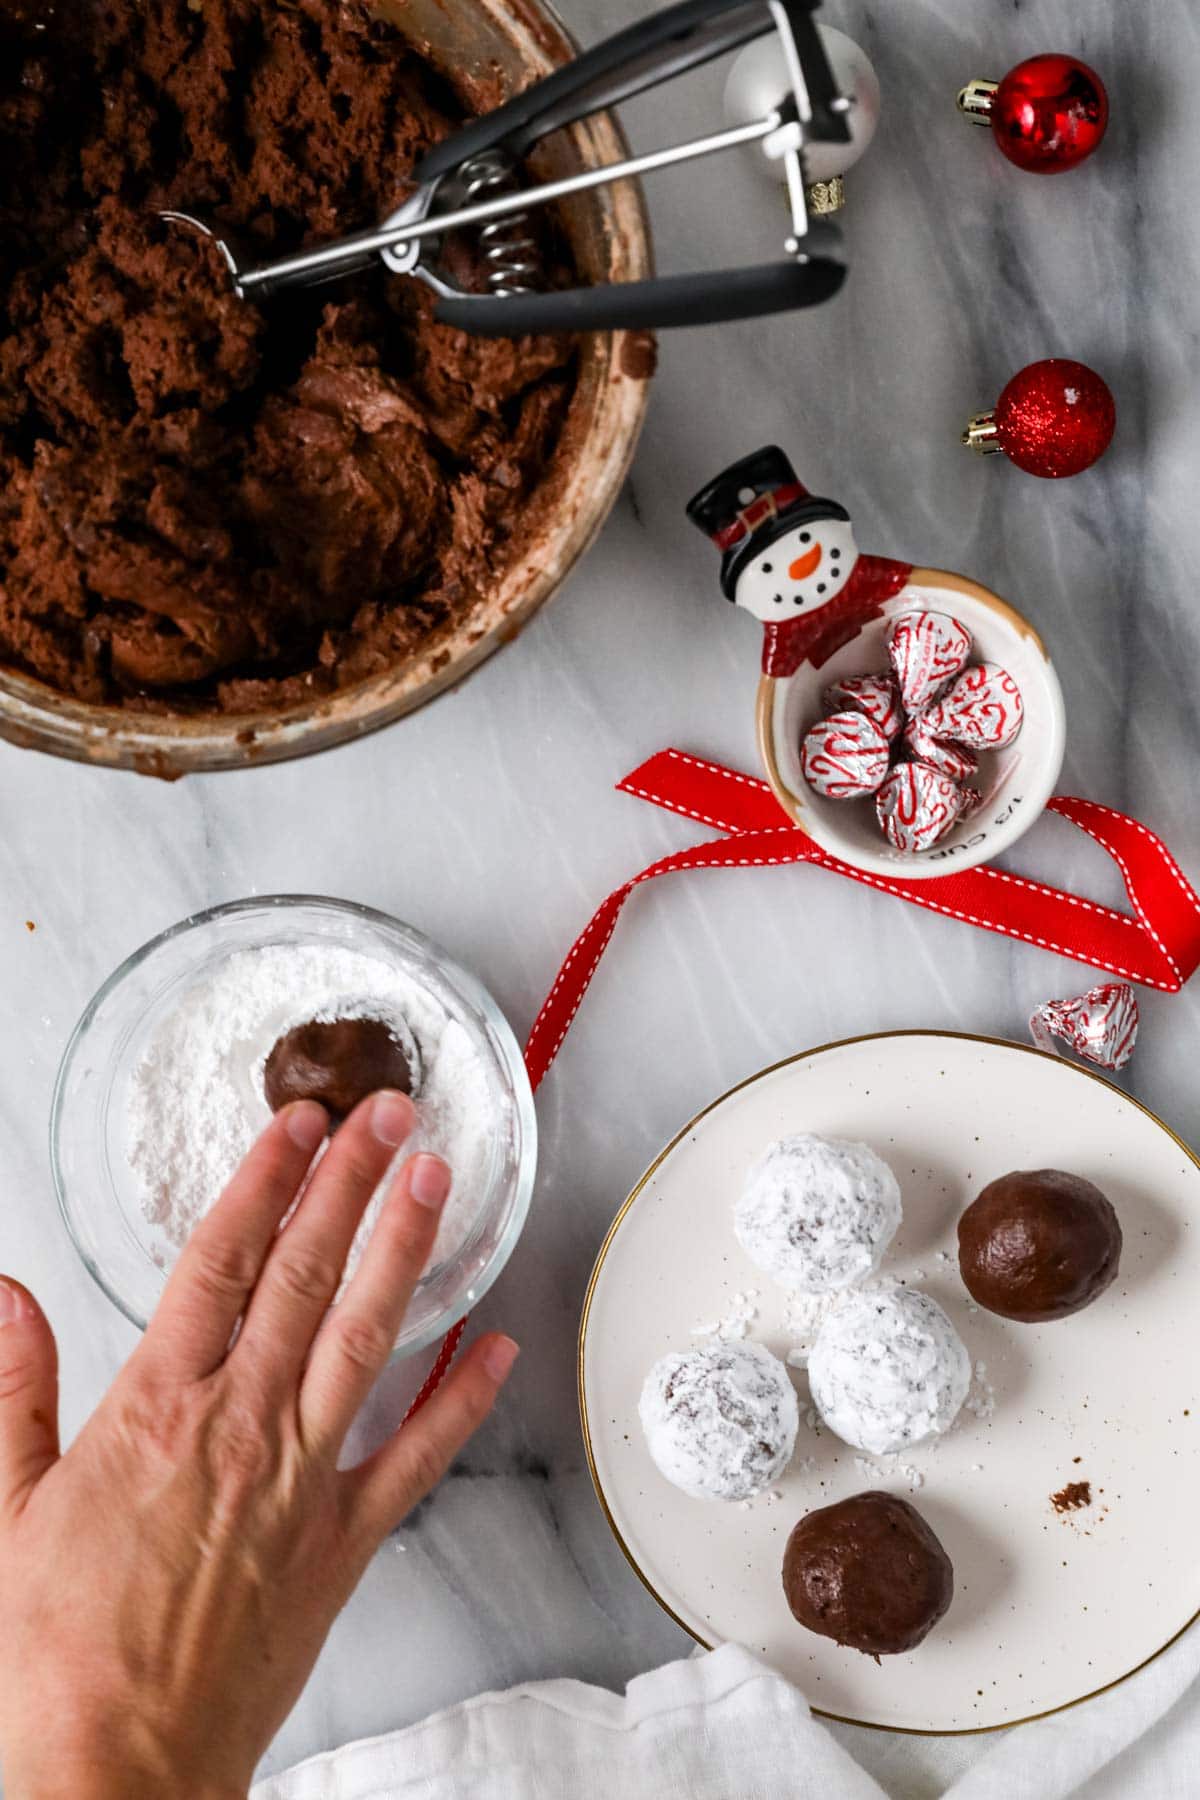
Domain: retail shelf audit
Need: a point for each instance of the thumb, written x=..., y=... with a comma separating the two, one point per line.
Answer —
x=28, y=1394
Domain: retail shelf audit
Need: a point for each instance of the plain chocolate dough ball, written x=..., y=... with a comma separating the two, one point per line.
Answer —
x=868, y=1573
x=1038, y=1244
x=338, y=1062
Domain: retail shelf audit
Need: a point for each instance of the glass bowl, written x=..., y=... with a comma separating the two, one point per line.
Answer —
x=127, y=1254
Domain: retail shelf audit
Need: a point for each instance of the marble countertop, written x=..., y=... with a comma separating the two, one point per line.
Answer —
x=490, y=821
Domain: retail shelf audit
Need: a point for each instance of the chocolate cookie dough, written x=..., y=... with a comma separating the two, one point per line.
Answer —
x=205, y=504
x=867, y=1572
x=1038, y=1245
x=338, y=1062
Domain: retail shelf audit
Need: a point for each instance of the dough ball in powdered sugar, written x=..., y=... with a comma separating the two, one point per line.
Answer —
x=720, y=1422
x=888, y=1369
x=817, y=1213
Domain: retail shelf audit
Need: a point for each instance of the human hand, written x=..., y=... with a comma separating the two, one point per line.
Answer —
x=168, y=1582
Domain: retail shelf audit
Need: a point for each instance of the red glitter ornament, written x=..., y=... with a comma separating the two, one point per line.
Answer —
x=1054, y=418
x=1047, y=115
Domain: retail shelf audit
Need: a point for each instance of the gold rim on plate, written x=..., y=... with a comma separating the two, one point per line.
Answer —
x=866, y=1037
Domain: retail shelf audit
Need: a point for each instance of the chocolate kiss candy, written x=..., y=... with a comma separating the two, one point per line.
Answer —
x=927, y=649
x=1101, y=1025
x=875, y=695
x=845, y=756
x=953, y=760
x=917, y=806
x=983, y=709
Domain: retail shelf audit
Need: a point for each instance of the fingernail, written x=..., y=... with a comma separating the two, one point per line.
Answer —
x=307, y=1125
x=499, y=1358
x=391, y=1117
x=429, y=1181
x=15, y=1304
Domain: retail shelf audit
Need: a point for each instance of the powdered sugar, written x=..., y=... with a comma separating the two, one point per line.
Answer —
x=817, y=1213
x=804, y=1315
x=736, y=1322
x=196, y=1101
x=888, y=1369
x=870, y=1470
x=720, y=1422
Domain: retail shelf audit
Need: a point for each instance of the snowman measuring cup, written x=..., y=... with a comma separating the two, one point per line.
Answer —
x=470, y=181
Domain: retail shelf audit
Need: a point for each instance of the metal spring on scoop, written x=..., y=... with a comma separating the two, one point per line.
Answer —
x=509, y=250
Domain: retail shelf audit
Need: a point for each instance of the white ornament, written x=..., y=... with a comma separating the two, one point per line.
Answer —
x=758, y=82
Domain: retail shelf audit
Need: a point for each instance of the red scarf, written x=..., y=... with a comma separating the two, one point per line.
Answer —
x=814, y=636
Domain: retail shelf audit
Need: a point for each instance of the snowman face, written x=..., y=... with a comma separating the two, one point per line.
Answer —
x=800, y=572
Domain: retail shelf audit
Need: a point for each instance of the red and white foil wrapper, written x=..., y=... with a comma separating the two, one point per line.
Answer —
x=917, y=806
x=1101, y=1026
x=954, y=760
x=845, y=757
x=876, y=695
x=983, y=709
x=927, y=649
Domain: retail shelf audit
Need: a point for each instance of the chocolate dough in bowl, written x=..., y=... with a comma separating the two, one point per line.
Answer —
x=233, y=533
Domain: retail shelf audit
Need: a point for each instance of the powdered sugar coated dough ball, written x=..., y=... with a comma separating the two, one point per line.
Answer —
x=720, y=1422
x=888, y=1369
x=817, y=1213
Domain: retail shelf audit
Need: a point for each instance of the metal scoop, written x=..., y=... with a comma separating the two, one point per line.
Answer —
x=469, y=181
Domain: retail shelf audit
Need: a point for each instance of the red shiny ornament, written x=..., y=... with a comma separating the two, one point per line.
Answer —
x=1049, y=113
x=1054, y=418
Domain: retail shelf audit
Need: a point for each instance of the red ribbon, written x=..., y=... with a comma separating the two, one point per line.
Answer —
x=1157, y=944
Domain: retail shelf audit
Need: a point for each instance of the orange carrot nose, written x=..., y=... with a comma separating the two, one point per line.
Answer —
x=804, y=565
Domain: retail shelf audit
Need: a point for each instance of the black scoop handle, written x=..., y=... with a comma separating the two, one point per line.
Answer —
x=669, y=300
x=652, y=50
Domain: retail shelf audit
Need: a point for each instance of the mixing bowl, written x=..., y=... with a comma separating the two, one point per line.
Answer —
x=128, y=1254
x=515, y=42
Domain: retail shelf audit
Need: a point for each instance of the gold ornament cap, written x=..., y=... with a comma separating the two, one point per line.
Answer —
x=981, y=435
x=975, y=100
x=826, y=196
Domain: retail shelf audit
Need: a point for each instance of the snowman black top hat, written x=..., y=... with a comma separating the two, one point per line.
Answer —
x=750, y=504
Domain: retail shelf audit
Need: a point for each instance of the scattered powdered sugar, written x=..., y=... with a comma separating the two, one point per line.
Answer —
x=912, y=1477
x=982, y=1398
x=804, y=1315
x=743, y=1310
x=720, y=1422
x=196, y=1099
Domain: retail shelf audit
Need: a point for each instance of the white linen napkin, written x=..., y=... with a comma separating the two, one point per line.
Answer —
x=716, y=1727
x=722, y=1726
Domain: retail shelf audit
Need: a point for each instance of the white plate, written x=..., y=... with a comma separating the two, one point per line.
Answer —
x=1048, y=1607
